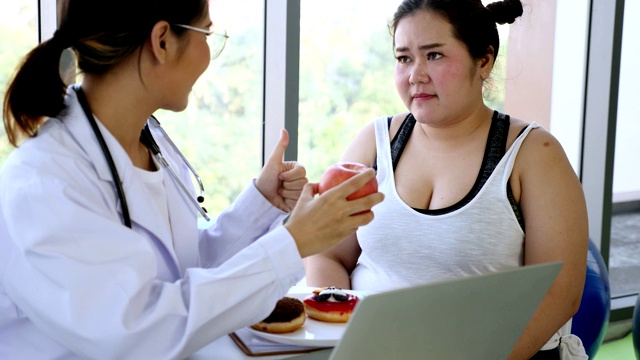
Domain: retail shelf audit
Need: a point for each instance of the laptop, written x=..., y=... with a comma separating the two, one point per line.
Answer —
x=477, y=317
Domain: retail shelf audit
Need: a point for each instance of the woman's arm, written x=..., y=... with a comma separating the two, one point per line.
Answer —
x=334, y=266
x=554, y=209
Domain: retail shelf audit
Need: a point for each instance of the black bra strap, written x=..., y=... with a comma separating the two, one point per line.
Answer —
x=494, y=152
x=401, y=139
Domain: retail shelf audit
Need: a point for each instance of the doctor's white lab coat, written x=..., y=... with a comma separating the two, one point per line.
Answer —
x=76, y=283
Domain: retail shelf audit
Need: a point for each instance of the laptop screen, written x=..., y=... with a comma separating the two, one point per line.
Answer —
x=477, y=317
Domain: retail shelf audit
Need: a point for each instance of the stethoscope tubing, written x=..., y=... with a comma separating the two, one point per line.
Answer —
x=150, y=143
x=148, y=140
x=184, y=159
x=165, y=165
x=107, y=154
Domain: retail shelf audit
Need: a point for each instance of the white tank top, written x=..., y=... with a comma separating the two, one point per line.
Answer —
x=403, y=247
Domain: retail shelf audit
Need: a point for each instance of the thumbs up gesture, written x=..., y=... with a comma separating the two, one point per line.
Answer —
x=281, y=182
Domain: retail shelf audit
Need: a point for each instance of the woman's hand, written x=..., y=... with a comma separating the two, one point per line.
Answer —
x=319, y=222
x=281, y=182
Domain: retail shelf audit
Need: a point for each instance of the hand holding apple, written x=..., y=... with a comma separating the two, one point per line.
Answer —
x=338, y=173
x=320, y=222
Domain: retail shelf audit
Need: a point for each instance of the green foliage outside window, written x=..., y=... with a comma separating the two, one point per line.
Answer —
x=346, y=81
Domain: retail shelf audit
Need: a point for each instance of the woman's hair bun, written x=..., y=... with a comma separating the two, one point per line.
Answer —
x=505, y=12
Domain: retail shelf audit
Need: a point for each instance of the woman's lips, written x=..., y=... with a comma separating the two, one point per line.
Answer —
x=423, y=97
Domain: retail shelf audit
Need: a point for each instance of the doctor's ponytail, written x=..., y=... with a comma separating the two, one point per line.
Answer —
x=36, y=90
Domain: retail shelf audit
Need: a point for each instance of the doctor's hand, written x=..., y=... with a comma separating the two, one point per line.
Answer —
x=281, y=182
x=319, y=222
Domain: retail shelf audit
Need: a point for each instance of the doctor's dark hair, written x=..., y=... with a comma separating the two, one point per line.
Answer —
x=473, y=23
x=102, y=34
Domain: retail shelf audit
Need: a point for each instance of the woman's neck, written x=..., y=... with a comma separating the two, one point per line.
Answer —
x=122, y=107
x=461, y=129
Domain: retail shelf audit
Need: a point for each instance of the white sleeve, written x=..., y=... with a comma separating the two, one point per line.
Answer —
x=248, y=218
x=92, y=285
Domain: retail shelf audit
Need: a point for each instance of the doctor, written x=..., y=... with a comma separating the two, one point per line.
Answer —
x=92, y=268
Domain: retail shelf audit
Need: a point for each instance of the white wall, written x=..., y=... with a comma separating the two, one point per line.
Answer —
x=570, y=52
x=626, y=173
x=568, y=91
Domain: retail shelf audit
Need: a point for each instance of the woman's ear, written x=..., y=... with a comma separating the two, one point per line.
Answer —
x=161, y=40
x=485, y=64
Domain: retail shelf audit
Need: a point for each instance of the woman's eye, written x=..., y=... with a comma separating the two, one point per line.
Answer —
x=434, y=56
x=402, y=59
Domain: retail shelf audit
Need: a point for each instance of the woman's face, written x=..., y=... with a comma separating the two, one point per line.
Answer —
x=435, y=75
x=193, y=60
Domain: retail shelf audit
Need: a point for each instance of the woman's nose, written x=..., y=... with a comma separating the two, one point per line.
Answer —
x=418, y=75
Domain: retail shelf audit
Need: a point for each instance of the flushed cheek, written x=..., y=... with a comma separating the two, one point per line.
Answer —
x=451, y=81
x=456, y=71
x=402, y=83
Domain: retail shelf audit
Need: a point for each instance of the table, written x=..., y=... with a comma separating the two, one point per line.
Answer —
x=225, y=349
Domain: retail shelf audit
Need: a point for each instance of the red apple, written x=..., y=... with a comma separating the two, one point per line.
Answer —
x=340, y=172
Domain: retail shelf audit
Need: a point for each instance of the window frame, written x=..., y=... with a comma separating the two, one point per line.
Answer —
x=47, y=19
x=601, y=102
x=281, y=75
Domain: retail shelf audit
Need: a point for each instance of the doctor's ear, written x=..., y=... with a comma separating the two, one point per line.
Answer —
x=160, y=39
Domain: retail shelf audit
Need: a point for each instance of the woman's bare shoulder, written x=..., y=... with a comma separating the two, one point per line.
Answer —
x=540, y=158
x=539, y=133
x=539, y=148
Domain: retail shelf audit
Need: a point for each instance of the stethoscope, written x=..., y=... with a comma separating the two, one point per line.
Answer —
x=147, y=139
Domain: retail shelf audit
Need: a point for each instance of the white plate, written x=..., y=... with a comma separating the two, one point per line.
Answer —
x=312, y=333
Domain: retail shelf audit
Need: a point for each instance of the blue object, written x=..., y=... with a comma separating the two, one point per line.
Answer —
x=636, y=328
x=590, y=322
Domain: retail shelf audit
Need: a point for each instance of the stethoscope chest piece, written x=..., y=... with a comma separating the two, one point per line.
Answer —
x=147, y=139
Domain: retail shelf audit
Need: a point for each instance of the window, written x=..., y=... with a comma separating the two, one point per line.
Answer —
x=606, y=168
x=346, y=81
x=220, y=132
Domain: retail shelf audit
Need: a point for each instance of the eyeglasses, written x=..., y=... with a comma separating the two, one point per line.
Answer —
x=216, y=40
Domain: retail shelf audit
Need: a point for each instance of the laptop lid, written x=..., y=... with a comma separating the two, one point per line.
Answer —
x=477, y=317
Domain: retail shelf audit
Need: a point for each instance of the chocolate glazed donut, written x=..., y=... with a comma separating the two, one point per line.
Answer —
x=287, y=316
